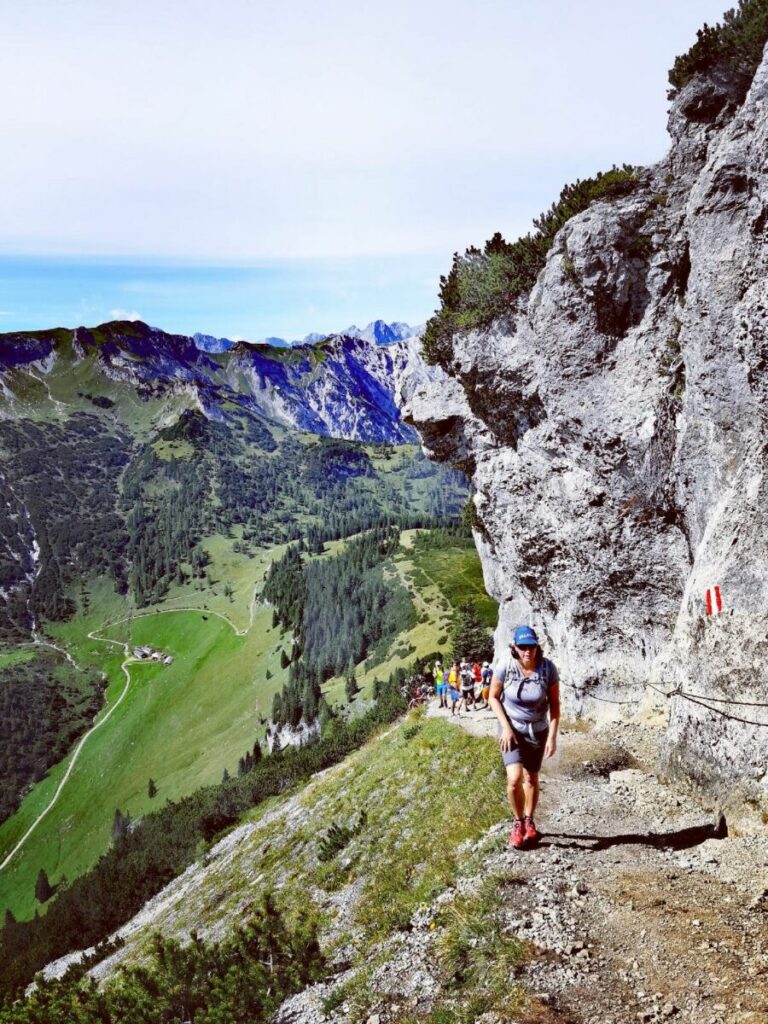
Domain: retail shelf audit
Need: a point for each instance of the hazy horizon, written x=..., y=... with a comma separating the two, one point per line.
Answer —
x=252, y=171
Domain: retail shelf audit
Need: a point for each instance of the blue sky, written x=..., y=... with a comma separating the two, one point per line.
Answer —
x=251, y=168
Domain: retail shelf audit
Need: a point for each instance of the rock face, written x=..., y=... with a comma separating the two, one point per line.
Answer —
x=616, y=436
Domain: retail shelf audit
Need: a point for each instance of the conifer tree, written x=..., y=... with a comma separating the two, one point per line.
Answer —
x=43, y=888
x=469, y=637
x=351, y=688
x=151, y=789
x=120, y=825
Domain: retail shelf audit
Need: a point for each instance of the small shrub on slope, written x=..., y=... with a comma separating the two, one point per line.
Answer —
x=337, y=837
x=485, y=284
x=241, y=979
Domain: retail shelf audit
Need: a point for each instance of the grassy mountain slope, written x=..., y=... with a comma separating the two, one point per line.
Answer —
x=183, y=724
x=130, y=517
x=378, y=852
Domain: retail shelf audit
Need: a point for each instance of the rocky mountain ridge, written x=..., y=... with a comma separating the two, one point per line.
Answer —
x=377, y=331
x=614, y=428
x=341, y=387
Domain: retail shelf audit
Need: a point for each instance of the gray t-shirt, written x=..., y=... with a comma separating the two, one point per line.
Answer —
x=526, y=698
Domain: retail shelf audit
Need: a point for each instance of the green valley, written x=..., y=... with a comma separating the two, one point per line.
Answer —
x=147, y=501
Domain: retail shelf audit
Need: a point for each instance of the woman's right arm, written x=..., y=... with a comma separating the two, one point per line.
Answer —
x=507, y=738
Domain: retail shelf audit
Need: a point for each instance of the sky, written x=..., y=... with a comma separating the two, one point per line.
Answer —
x=249, y=168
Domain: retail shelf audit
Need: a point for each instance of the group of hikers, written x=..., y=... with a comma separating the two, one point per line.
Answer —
x=462, y=685
x=523, y=691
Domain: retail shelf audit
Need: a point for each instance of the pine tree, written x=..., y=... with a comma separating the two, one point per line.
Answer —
x=151, y=789
x=351, y=688
x=120, y=825
x=277, y=709
x=43, y=888
x=225, y=776
x=469, y=637
x=324, y=714
x=309, y=699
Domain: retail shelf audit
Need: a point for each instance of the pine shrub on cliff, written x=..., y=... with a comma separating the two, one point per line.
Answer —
x=485, y=284
x=736, y=44
x=241, y=979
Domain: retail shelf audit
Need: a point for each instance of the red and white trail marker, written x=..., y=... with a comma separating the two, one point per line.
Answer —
x=714, y=601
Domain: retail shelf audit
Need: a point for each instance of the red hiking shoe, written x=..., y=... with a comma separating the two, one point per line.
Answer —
x=517, y=835
x=530, y=832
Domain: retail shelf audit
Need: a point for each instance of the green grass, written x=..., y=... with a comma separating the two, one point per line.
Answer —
x=169, y=450
x=241, y=573
x=440, y=581
x=427, y=791
x=16, y=656
x=180, y=725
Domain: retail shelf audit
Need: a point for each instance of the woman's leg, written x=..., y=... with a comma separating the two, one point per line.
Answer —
x=515, y=792
x=530, y=786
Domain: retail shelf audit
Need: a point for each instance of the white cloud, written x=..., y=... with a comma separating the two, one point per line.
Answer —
x=123, y=314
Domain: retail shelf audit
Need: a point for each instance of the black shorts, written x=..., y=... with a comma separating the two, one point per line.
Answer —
x=526, y=751
x=467, y=692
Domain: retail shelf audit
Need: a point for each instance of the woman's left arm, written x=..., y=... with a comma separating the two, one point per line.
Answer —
x=554, y=720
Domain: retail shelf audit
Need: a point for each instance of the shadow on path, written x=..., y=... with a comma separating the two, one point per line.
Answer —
x=682, y=839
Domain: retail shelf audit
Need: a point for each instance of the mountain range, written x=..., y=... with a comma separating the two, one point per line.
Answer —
x=378, y=332
x=343, y=386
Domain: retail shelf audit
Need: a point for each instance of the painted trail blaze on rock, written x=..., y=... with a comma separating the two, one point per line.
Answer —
x=714, y=601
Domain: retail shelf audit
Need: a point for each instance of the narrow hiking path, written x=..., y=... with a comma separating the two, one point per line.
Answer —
x=93, y=635
x=74, y=758
x=638, y=905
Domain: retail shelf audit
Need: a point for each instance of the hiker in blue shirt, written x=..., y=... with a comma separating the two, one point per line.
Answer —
x=525, y=696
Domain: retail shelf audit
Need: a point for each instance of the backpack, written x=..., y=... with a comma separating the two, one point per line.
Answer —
x=544, y=679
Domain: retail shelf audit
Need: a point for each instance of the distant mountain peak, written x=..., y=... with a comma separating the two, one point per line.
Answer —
x=382, y=333
x=378, y=331
x=208, y=343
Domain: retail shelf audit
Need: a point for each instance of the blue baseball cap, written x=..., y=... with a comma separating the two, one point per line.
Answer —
x=525, y=636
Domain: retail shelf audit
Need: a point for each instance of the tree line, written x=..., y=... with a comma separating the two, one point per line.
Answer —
x=44, y=707
x=243, y=978
x=337, y=609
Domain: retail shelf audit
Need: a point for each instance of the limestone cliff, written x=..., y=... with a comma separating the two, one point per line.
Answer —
x=615, y=430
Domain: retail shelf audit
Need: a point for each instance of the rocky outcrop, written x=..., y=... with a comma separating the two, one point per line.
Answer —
x=615, y=432
x=282, y=737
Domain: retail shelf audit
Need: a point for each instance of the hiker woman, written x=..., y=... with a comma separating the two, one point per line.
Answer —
x=525, y=696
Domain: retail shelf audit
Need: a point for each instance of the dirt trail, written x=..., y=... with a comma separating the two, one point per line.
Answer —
x=638, y=904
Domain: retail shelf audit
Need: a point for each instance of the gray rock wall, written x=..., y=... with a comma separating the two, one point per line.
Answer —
x=616, y=437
